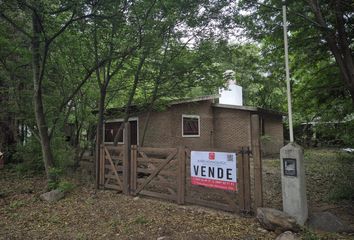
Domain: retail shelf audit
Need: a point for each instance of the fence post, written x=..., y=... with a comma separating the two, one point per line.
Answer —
x=102, y=163
x=247, y=180
x=240, y=182
x=126, y=159
x=181, y=175
x=133, y=166
x=257, y=161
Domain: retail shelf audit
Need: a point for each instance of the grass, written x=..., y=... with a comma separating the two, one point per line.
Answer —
x=332, y=172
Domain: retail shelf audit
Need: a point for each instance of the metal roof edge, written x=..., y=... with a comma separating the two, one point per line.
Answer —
x=196, y=99
x=248, y=108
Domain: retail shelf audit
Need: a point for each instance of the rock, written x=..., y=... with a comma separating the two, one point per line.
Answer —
x=287, y=236
x=163, y=238
x=52, y=196
x=2, y=194
x=275, y=220
x=328, y=222
x=262, y=230
x=136, y=198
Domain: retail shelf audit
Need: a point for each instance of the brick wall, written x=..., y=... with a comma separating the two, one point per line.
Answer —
x=165, y=128
x=159, y=129
x=231, y=128
x=273, y=129
x=220, y=128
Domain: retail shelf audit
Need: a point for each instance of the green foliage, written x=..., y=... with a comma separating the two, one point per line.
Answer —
x=16, y=204
x=63, y=153
x=331, y=172
x=266, y=138
x=307, y=234
x=29, y=158
x=54, y=178
x=140, y=220
x=318, y=89
x=344, y=181
x=66, y=186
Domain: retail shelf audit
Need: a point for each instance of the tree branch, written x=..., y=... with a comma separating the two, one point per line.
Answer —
x=18, y=28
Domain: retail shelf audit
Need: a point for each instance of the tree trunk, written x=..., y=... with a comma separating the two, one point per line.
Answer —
x=99, y=135
x=38, y=103
x=338, y=43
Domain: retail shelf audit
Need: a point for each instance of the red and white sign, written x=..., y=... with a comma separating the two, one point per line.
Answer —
x=214, y=170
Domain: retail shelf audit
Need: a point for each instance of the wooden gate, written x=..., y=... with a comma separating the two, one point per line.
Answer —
x=239, y=201
x=165, y=173
x=111, y=167
x=154, y=172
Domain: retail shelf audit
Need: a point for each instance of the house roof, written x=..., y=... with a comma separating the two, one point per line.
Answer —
x=135, y=108
x=196, y=99
x=249, y=108
x=218, y=105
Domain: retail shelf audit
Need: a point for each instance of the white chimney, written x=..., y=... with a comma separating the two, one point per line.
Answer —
x=232, y=94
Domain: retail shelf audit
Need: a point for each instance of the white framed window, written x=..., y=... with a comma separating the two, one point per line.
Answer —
x=190, y=125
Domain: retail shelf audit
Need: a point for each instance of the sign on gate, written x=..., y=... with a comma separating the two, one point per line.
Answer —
x=214, y=170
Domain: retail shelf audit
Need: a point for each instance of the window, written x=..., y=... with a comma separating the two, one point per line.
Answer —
x=110, y=131
x=111, y=128
x=190, y=126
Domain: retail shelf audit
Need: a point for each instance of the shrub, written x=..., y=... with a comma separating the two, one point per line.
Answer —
x=66, y=186
x=54, y=176
x=28, y=157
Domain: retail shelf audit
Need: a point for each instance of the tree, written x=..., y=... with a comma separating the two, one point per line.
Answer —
x=49, y=21
x=316, y=29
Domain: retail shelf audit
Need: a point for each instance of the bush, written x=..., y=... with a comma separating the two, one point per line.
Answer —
x=63, y=153
x=54, y=178
x=28, y=158
x=66, y=186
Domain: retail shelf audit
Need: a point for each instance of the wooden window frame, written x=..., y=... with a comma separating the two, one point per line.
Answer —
x=191, y=116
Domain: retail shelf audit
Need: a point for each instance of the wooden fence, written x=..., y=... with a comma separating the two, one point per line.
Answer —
x=165, y=173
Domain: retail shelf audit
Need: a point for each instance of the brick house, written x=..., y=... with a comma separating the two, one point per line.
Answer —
x=202, y=123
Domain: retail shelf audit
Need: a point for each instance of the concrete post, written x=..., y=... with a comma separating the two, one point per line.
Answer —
x=293, y=182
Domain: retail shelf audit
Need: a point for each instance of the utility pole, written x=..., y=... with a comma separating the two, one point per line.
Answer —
x=293, y=179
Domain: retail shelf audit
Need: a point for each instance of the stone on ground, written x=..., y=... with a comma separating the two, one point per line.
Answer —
x=287, y=236
x=328, y=222
x=52, y=196
x=275, y=220
x=163, y=238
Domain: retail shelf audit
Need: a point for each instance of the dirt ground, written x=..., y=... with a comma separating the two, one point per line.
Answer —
x=86, y=214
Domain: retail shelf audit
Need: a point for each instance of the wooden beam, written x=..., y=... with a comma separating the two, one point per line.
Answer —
x=240, y=181
x=181, y=175
x=257, y=161
x=133, y=169
x=247, y=181
x=126, y=159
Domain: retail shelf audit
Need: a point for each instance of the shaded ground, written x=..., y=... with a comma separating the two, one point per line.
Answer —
x=329, y=182
x=84, y=214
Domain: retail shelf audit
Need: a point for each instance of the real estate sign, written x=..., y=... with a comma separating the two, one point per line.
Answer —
x=214, y=170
